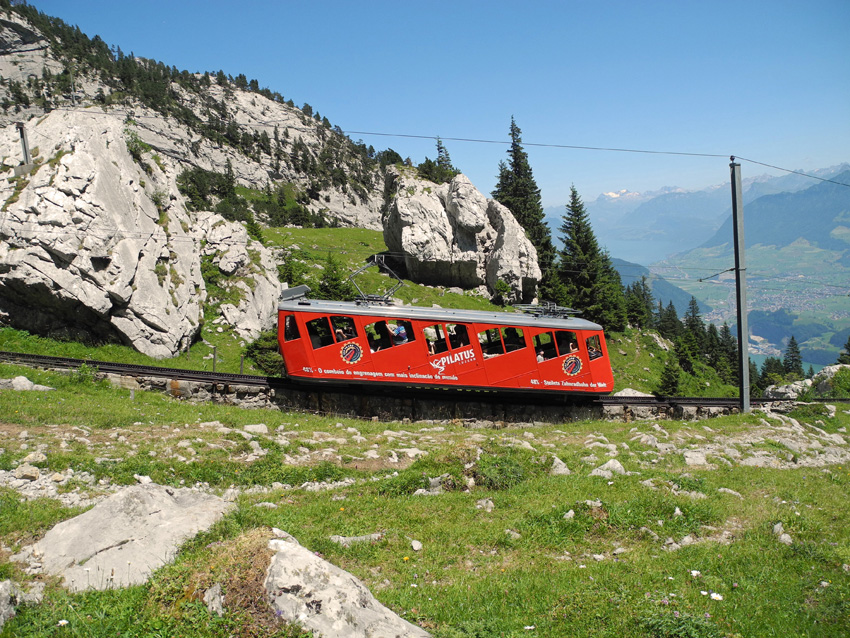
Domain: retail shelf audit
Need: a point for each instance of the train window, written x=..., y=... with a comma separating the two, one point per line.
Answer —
x=344, y=328
x=290, y=328
x=567, y=342
x=436, y=338
x=544, y=346
x=379, y=336
x=320, y=332
x=514, y=339
x=594, y=348
x=402, y=332
x=458, y=335
x=491, y=343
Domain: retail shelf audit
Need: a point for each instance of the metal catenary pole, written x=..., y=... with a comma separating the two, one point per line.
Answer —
x=740, y=286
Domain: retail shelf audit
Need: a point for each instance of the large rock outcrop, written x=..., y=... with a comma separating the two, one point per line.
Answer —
x=85, y=251
x=98, y=246
x=450, y=234
x=248, y=271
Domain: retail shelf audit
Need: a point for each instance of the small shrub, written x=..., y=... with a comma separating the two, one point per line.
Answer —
x=265, y=352
x=405, y=484
x=84, y=375
x=679, y=625
x=498, y=472
x=481, y=628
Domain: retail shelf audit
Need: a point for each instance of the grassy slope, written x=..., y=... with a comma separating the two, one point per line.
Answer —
x=471, y=578
x=640, y=368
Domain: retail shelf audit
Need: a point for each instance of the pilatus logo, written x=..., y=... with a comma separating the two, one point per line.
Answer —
x=572, y=366
x=461, y=356
x=351, y=353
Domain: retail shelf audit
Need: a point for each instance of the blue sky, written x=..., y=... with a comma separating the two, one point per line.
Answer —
x=765, y=80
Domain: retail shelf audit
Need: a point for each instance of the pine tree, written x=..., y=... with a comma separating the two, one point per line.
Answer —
x=755, y=383
x=669, y=384
x=669, y=325
x=444, y=162
x=793, y=361
x=844, y=357
x=694, y=325
x=334, y=285
x=591, y=282
x=772, y=372
x=440, y=171
x=517, y=190
x=639, y=304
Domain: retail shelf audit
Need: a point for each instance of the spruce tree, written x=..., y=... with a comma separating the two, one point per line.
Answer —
x=334, y=285
x=639, y=304
x=517, y=190
x=669, y=325
x=772, y=372
x=793, y=361
x=440, y=171
x=669, y=384
x=592, y=284
x=844, y=357
x=755, y=383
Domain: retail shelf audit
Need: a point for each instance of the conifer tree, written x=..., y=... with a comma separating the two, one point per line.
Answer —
x=440, y=171
x=694, y=326
x=592, y=284
x=669, y=325
x=444, y=162
x=639, y=304
x=517, y=190
x=844, y=357
x=755, y=383
x=669, y=384
x=793, y=361
x=772, y=372
x=334, y=285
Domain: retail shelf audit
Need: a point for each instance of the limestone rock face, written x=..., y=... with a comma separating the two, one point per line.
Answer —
x=22, y=48
x=92, y=246
x=85, y=252
x=450, y=234
x=822, y=381
x=790, y=391
x=251, y=271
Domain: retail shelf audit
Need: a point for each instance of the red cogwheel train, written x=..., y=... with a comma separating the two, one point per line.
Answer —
x=372, y=341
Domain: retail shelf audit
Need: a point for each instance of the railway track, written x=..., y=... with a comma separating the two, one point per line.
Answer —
x=393, y=402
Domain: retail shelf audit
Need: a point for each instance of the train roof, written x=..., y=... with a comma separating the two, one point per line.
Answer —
x=295, y=300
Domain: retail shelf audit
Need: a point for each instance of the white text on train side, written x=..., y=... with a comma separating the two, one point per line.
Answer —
x=456, y=357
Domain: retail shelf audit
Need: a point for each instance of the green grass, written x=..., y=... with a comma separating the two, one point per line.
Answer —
x=314, y=245
x=471, y=578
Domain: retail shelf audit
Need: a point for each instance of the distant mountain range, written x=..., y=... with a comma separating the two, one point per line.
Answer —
x=819, y=215
x=797, y=233
x=648, y=227
x=798, y=269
